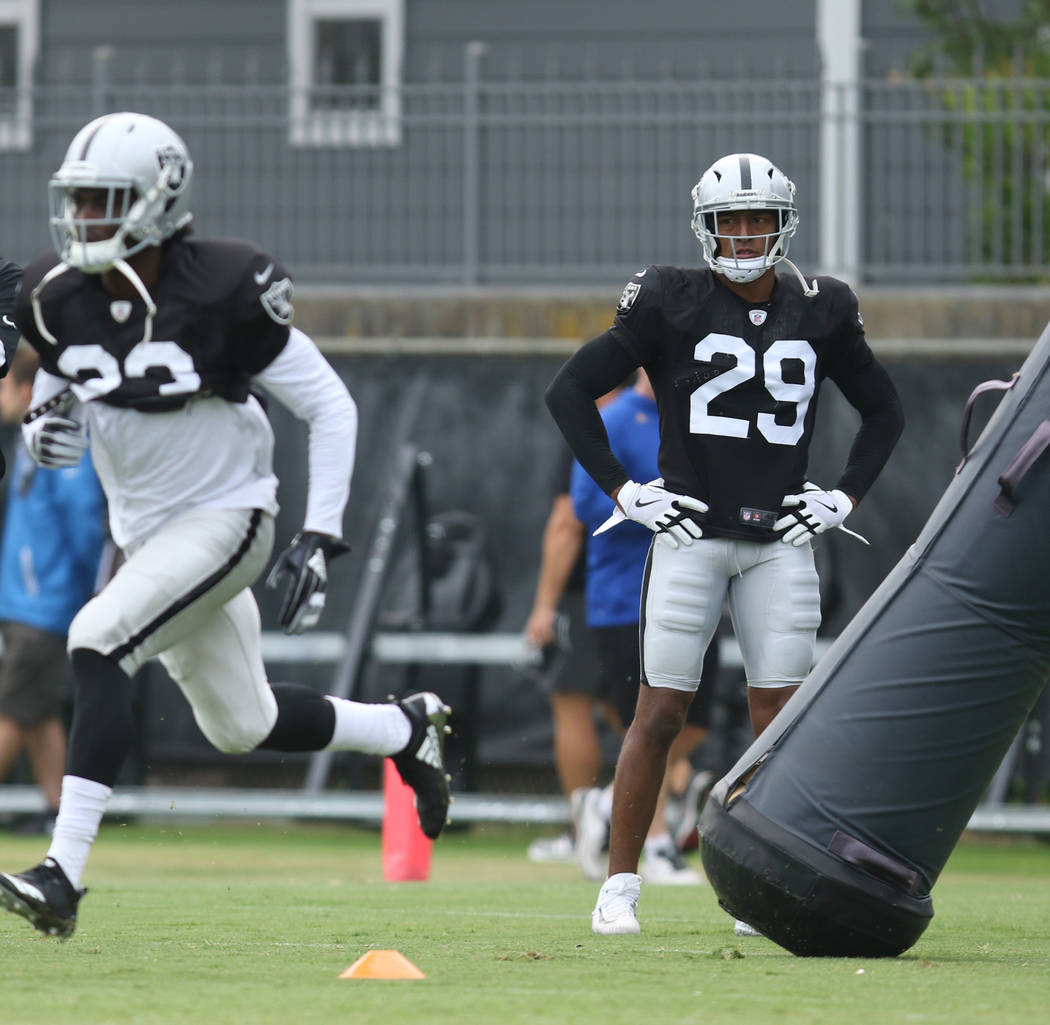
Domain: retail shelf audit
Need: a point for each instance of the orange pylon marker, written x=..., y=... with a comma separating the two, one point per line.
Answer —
x=382, y=964
x=406, y=851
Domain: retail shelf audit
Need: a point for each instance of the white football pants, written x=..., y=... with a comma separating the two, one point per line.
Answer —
x=774, y=603
x=184, y=595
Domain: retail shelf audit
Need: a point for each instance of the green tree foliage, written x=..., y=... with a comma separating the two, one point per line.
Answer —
x=992, y=79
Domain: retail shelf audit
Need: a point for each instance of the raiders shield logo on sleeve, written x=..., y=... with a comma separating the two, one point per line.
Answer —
x=630, y=293
x=277, y=301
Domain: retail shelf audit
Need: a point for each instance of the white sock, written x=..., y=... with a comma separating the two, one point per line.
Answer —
x=373, y=729
x=661, y=842
x=79, y=816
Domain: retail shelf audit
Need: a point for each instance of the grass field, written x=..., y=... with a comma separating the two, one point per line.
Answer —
x=253, y=924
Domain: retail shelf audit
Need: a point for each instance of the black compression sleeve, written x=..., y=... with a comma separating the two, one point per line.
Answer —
x=882, y=421
x=594, y=369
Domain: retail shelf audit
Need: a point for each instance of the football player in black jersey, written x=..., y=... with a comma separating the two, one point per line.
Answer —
x=10, y=276
x=736, y=353
x=154, y=342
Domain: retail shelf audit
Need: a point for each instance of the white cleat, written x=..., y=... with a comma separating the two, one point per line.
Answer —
x=592, y=832
x=552, y=849
x=664, y=866
x=614, y=913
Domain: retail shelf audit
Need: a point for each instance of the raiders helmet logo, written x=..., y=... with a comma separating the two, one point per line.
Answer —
x=630, y=293
x=170, y=157
x=277, y=301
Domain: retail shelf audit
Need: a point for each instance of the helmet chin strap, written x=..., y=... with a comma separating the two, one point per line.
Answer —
x=129, y=272
x=807, y=290
x=121, y=265
x=34, y=301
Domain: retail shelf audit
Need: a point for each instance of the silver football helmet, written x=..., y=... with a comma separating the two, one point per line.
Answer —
x=146, y=172
x=743, y=181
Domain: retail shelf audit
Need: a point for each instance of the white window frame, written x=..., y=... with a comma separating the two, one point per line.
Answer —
x=16, y=128
x=345, y=127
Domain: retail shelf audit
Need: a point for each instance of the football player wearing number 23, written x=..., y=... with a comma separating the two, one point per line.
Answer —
x=154, y=343
x=736, y=353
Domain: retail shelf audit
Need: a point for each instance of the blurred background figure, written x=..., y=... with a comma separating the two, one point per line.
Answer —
x=616, y=564
x=53, y=538
x=557, y=625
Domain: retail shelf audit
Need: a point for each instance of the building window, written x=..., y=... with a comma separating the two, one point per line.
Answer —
x=18, y=42
x=345, y=61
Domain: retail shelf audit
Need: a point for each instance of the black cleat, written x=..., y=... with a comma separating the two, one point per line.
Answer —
x=44, y=896
x=422, y=762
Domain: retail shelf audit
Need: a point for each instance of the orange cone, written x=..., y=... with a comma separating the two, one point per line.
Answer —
x=406, y=851
x=382, y=964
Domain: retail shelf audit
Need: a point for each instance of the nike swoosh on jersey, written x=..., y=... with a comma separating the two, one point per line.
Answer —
x=8, y=321
x=262, y=276
x=640, y=273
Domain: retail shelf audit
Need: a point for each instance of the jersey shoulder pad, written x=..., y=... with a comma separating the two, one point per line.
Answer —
x=645, y=288
x=215, y=269
x=239, y=273
x=839, y=298
x=10, y=276
x=833, y=288
x=36, y=270
x=57, y=292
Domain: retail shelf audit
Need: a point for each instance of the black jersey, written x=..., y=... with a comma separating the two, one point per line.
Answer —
x=10, y=275
x=223, y=314
x=737, y=385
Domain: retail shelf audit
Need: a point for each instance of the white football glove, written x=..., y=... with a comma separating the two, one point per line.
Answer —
x=55, y=441
x=813, y=512
x=662, y=511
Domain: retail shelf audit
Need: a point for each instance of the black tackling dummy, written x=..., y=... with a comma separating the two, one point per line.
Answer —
x=830, y=832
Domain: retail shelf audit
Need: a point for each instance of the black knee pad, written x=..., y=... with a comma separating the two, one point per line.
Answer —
x=103, y=722
x=305, y=719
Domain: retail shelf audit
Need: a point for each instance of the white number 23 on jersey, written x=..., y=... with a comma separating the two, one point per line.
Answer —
x=703, y=422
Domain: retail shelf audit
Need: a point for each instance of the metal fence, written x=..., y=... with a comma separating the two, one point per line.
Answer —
x=565, y=183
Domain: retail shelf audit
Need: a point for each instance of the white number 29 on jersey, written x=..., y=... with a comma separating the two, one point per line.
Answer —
x=703, y=422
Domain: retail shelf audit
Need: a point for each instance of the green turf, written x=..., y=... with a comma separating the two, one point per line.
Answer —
x=253, y=924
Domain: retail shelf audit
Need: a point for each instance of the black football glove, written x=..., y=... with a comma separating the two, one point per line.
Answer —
x=304, y=567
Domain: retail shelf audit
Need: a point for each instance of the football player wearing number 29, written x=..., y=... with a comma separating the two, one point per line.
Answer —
x=736, y=353
x=154, y=342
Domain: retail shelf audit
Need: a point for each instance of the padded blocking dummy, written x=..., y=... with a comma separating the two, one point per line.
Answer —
x=829, y=833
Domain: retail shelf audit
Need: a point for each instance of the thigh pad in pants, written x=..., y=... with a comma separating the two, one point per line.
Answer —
x=682, y=600
x=775, y=606
x=184, y=594
x=172, y=583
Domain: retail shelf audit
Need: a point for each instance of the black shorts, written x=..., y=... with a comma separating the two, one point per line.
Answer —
x=619, y=666
x=575, y=667
x=33, y=674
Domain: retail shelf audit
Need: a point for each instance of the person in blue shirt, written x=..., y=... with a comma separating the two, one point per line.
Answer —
x=616, y=562
x=53, y=537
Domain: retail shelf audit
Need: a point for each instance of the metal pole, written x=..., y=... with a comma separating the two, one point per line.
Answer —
x=471, y=159
x=838, y=38
x=362, y=621
x=101, y=58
